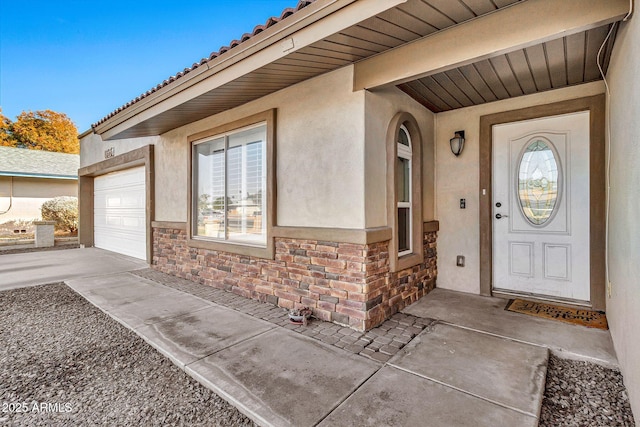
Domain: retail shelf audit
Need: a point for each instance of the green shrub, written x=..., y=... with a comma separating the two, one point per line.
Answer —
x=62, y=210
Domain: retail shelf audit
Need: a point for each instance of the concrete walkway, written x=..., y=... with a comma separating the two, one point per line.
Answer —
x=487, y=315
x=447, y=375
x=279, y=377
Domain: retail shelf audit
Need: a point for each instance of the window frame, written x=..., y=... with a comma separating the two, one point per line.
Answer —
x=406, y=259
x=266, y=251
x=227, y=171
x=406, y=153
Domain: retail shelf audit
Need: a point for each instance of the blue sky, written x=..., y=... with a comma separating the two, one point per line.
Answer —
x=86, y=58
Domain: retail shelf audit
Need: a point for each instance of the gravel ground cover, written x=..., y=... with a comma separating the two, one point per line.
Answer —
x=584, y=394
x=64, y=362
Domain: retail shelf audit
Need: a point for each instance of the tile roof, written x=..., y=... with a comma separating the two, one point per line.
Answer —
x=36, y=163
x=257, y=30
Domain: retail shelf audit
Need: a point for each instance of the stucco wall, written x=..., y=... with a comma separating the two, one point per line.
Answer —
x=623, y=308
x=320, y=154
x=92, y=147
x=457, y=178
x=381, y=106
x=326, y=175
x=29, y=194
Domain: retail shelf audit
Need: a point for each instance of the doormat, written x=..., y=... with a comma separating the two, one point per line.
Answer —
x=588, y=318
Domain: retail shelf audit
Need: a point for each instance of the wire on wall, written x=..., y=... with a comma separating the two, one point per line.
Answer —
x=608, y=142
x=10, y=197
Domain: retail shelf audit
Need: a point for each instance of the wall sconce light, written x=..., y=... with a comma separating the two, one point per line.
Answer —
x=457, y=142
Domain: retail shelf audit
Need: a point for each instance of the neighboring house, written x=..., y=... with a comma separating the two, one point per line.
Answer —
x=309, y=163
x=28, y=178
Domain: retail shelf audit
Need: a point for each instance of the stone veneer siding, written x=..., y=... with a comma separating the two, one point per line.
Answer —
x=345, y=283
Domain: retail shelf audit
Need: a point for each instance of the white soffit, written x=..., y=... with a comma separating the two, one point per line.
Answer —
x=371, y=33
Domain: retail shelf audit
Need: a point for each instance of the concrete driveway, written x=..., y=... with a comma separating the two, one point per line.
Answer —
x=38, y=268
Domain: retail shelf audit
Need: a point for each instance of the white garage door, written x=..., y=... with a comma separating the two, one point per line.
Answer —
x=119, y=212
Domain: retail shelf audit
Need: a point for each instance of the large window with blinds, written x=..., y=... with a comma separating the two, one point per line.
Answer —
x=229, y=187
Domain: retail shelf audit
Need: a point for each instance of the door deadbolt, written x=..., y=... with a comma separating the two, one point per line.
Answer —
x=498, y=205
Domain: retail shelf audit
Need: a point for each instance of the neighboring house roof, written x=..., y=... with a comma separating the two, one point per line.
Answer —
x=257, y=30
x=38, y=164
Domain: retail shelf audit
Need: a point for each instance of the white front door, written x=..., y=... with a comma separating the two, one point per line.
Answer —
x=541, y=207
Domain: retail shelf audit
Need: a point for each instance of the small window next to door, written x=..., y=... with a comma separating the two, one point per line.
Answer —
x=404, y=192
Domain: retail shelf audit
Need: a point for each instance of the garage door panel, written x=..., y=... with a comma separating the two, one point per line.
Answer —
x=137, y=212
x=109, y=233
x=115, y=198
x=126, y=243
x=123, y=220
x=120, y=212
x=121, y=179
x=124, y=201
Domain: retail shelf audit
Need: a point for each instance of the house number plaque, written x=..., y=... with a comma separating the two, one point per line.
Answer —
x=109, y=152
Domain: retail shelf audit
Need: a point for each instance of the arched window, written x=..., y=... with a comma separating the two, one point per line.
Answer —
x=404, y=191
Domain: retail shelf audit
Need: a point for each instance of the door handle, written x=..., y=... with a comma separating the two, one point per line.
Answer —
x=498, y=216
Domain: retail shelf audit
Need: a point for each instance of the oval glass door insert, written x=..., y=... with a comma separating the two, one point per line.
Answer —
x=538, y=182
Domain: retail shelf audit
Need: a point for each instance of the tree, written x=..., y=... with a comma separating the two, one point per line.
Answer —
x=203, y=202
x=43, y=130
x=256, y=198
x=5, y=130
x=218, y=204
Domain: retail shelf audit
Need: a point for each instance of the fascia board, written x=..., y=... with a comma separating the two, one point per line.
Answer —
x=316, y=22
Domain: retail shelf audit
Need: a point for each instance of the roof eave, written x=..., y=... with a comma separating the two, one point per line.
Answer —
x=86, y=133
x=267, y=38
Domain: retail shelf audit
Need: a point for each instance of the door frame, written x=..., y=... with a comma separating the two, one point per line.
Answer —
x=597, y=186
x=142, y=156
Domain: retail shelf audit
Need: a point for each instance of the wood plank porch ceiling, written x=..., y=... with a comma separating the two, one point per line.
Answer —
x=554, y=64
